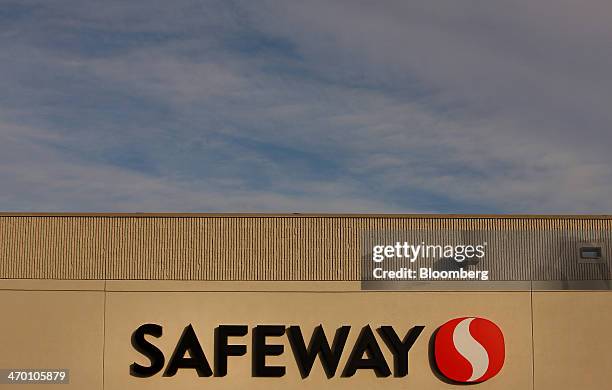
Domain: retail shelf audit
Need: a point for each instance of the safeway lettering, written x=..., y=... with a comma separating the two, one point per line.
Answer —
x=365, y=353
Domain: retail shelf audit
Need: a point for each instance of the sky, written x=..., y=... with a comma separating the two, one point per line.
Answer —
x=306, y=106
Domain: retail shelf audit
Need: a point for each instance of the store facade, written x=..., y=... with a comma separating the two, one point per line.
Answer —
x=305, y=301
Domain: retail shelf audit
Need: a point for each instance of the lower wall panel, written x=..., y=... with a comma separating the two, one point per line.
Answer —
x=78, y=330
x=53, y=330
x=572, y=340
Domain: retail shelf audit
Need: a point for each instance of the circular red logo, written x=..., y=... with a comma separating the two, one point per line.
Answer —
x=469, y=349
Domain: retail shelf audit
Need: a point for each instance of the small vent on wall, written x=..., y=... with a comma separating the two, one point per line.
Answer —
x=590, y=253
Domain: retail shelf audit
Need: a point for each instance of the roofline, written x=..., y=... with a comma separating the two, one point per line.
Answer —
x=302, y=215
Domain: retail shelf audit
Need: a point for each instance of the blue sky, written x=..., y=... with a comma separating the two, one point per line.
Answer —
x=318, y=106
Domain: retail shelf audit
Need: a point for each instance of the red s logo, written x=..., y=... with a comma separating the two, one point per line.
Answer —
x=469, y=349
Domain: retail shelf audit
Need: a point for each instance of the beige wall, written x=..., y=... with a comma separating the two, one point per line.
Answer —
x=66, y=324
x=205, y=310
x=53, y=330
x=572, y=340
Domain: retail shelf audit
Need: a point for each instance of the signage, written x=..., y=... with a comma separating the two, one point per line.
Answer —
x=469, y=349
x=466, y=350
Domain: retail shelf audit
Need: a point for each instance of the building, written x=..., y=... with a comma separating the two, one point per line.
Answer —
x=190, y=301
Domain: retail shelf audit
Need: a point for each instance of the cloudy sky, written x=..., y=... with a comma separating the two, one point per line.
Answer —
x=306, y=106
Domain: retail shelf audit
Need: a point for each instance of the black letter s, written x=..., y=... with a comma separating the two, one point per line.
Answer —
x=149, y=350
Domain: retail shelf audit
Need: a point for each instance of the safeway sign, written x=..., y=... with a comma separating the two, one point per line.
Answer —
x=466, y=350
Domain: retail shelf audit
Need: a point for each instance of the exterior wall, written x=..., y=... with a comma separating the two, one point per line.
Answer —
x=54, y=318
x=572, y=339
x=51, y=330
x=227, y=247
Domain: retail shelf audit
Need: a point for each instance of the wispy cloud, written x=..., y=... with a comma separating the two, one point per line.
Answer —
x=306, y=106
